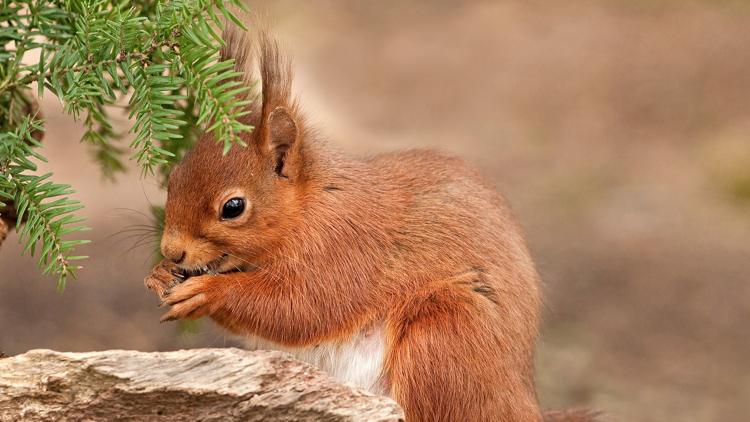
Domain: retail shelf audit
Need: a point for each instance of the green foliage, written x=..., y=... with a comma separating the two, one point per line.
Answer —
x=92, y=55
x=47, y=219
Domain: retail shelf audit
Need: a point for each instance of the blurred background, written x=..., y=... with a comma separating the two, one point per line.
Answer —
x=618, y=129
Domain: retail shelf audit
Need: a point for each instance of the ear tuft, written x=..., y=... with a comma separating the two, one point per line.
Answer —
x=282, y=135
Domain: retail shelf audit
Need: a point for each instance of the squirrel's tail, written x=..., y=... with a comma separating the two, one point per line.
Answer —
x=572, y=415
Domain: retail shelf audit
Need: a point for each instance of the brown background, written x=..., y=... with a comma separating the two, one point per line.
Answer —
x=618, y=129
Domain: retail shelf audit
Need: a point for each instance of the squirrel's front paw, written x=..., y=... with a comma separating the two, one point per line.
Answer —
x=164, y=276
x=190, y=299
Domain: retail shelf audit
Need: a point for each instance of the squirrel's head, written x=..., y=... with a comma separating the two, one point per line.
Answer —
x=225, y=211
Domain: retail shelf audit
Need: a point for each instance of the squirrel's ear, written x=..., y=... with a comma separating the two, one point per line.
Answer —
x=282, y=135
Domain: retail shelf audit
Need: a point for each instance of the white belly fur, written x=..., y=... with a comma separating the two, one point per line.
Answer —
x=357, y=360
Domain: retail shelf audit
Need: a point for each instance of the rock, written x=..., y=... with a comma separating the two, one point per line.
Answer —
x=185, y=385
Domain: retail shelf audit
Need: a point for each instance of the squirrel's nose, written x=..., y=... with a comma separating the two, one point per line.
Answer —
x=177, y=257
x=174, y=246
x=174, y=255
x=180, y=259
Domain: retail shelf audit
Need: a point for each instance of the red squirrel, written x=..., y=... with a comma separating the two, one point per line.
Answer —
x=404, y=273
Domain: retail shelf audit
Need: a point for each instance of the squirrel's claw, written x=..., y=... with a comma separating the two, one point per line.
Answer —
x=163, y=278
x=189, y=299
x=167, y=318
x=192, y=308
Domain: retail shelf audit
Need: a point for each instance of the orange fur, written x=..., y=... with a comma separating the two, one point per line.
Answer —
x=330, y=245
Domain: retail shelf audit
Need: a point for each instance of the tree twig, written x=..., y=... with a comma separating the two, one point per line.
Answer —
x=4, y=229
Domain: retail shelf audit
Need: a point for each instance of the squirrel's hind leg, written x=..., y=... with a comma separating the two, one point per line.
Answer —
x=451, y=359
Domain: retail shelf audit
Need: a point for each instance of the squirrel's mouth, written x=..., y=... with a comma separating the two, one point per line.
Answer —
x=213, y=268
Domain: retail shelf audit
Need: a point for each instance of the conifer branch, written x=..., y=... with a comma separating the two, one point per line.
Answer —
x=164, y=54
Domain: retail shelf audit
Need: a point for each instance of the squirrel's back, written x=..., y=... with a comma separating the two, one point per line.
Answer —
x=439, y=213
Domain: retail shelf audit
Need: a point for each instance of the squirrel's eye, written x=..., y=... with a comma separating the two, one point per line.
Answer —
x=232, y=208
